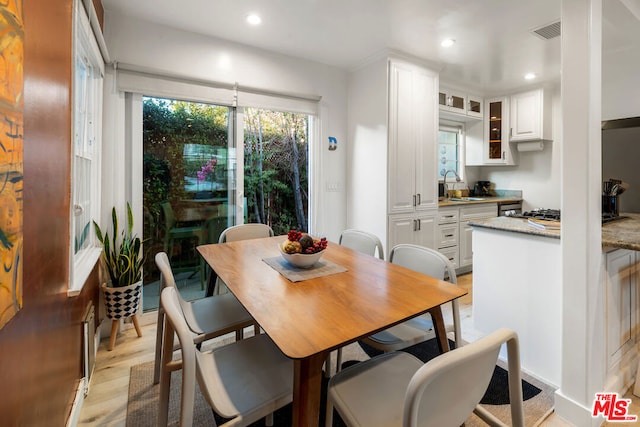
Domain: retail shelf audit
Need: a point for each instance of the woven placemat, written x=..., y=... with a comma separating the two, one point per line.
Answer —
x=295, y=274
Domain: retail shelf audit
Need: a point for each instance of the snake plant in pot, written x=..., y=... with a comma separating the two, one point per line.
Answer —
x=123, y=260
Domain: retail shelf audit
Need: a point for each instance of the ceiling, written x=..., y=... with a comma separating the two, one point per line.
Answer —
x=494, y=46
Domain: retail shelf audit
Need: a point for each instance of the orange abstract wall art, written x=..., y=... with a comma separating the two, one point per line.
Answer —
x=11, y=157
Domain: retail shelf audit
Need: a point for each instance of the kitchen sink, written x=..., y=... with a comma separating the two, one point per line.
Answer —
x=465, y=199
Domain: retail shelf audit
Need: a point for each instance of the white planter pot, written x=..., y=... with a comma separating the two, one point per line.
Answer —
x=122, y=302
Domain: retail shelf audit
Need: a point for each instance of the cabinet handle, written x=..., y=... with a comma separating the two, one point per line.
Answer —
x=448, y=235
x=510, y=132
x=414, y=200
x=419, y=224
x=415, y=225
x=504, y=155
x=419, y=200
x=451, y=259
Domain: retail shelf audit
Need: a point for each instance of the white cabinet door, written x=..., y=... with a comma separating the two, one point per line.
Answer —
x=469, y=213
x=622, y=318
x=526, y=116
x=466, y=244
x=402, y=146
x=426, y=138
x=426, y=232
x=414, y=229
x=413, y=124
x=497, y=149
x=474, y=106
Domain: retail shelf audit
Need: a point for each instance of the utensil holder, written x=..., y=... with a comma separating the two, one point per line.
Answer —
x=610, y=205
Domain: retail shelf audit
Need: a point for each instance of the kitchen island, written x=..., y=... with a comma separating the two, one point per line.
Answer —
x=517, y=284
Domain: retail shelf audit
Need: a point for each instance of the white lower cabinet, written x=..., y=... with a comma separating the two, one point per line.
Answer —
x=454, y=232
x=418, y=229
x=622, y=304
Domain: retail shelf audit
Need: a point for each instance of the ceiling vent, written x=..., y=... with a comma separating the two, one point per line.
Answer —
x=548, y=32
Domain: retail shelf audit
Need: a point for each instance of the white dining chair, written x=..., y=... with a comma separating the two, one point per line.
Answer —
x=207, y=318
x=243, y=381
x=398, y=390
x=362, y=241
x=418, y=329
x=367, y=243
x=236, y=233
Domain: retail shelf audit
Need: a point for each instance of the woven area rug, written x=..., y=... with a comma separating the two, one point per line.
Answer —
x=143, y=400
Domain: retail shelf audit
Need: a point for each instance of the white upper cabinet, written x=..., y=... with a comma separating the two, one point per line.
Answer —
x=459, y=103
x=531, y=116
x=413, y=124
x=497, y=149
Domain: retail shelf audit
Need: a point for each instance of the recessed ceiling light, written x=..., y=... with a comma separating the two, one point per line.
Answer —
x=447, y=42
x=254, y=19
x=530, y=76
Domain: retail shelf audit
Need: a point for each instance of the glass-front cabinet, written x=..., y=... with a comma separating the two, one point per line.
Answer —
x=497, y=148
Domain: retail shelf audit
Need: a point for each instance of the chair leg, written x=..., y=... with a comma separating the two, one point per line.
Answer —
x=114, y=333
x=327, y=366
x=329, y=415
x=339, y=360
x=159, y=334
x=136, y=325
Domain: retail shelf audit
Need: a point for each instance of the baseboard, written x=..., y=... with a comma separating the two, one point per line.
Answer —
x=76, y=408
x=574, y=413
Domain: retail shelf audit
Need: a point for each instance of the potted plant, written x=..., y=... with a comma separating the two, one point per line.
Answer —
x=123, y=261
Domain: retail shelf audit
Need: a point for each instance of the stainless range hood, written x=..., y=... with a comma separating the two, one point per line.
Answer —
x=631, y=122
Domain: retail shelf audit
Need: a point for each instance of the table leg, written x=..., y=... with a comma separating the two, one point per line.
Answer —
x=211, y=284
x=307, y=389
x=439, y=328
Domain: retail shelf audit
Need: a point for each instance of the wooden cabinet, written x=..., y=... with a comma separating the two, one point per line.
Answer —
x=531, y=116
x=622, y=304
x=497, y=149
x=460, y=104
x=467, y=214
x=413, y=128
x=447, y=234
x=453, y=236
x=392, y=129
x=418, y=229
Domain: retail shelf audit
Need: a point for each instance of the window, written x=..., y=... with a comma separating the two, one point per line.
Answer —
x=88, y=75
x=449, y=148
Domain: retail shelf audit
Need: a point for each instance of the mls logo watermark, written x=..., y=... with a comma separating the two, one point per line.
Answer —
x=612, y=407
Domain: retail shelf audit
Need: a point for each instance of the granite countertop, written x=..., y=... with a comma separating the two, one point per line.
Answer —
x=623, y=233
x=492, y=199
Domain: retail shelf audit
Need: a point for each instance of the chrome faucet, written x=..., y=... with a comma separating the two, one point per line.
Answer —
x=446, y=190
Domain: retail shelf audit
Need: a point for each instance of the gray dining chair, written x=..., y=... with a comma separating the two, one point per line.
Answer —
x=399, y=390
x=243, y=381
x=207, y=318
x=418, y=329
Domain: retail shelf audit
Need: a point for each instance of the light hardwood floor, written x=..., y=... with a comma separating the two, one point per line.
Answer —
x=106, y=404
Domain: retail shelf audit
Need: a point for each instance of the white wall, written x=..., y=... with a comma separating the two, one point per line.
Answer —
x=538, y=172
x=157, y=47
x=367, y=149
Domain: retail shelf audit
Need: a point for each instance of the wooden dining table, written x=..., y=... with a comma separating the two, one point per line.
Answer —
x=308, y=319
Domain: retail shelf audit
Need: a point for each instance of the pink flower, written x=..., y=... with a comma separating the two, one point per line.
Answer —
x=207, y=169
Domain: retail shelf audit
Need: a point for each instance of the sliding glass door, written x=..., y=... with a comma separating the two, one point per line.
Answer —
x=196, y=183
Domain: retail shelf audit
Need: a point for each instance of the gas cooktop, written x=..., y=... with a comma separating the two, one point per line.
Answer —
x=554, y=214
x=550, y=214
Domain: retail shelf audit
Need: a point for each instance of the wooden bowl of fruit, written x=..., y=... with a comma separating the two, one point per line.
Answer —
x=301, y=250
